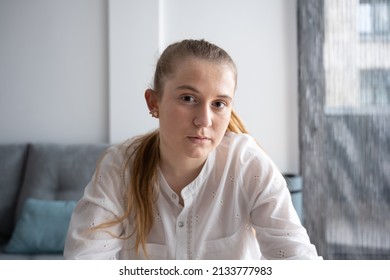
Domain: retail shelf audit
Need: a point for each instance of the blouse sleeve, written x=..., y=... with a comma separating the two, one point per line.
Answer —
x=102, y=202
x=279, y=231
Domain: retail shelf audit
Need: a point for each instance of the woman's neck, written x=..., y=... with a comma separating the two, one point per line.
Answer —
x=179, y=172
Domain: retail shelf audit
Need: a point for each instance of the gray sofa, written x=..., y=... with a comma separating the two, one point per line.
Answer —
x=39, y=186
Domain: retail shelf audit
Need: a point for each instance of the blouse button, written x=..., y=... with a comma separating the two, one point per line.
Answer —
x=181, y=224
x=174, y=196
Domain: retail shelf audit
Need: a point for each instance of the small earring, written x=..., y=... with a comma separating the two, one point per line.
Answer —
x=154, y=113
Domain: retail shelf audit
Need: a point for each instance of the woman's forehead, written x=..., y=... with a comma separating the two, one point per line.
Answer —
x=202, y=77
x=199, y=66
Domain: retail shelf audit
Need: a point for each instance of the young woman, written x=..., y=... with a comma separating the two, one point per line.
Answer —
x=199, y=187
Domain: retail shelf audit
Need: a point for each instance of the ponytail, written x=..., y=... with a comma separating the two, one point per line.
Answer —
x=236, y=125
x=142, y=190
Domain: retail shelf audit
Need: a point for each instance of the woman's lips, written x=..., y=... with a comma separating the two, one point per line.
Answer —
x=199, y=139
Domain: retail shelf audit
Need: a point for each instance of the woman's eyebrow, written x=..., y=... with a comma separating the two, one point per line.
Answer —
x=188, y=87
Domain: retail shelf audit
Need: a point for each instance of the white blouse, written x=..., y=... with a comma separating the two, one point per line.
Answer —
x=238, y=207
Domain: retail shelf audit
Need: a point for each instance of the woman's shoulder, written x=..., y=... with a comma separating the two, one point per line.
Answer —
x=241, y=143
x=239, y=137
x=117, y=151
x=244, y=150
x=116, y=155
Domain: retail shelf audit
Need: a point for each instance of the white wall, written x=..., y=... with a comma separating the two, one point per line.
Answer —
x=133, y=50
x=60, y=82
x=53, y=71
x=259, y=34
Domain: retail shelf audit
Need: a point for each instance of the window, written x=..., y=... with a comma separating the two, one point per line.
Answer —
x=344, y=98
x=375, y=87
x=374, y=19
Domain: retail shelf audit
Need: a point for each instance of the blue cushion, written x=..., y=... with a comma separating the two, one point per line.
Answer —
x=42, y=227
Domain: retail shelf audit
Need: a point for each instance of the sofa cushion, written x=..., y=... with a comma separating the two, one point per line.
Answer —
x=42, y=227
x=58, y=172
x=12, y=157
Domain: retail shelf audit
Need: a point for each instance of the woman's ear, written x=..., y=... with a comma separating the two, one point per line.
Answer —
x=151, y=100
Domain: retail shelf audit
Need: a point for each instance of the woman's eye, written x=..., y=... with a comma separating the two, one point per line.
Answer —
x=219, y=104
x=188, y=99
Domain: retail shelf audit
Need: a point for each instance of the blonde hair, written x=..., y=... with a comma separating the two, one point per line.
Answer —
x=145, y=157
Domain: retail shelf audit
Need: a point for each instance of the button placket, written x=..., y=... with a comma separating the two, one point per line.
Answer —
x=183, y=233
x=184, y=227
x=175, y=198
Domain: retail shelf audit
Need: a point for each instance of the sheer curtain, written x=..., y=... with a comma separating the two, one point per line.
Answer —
x=344, y=98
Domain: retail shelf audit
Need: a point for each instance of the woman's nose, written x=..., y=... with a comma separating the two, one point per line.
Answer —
x=203, y=117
